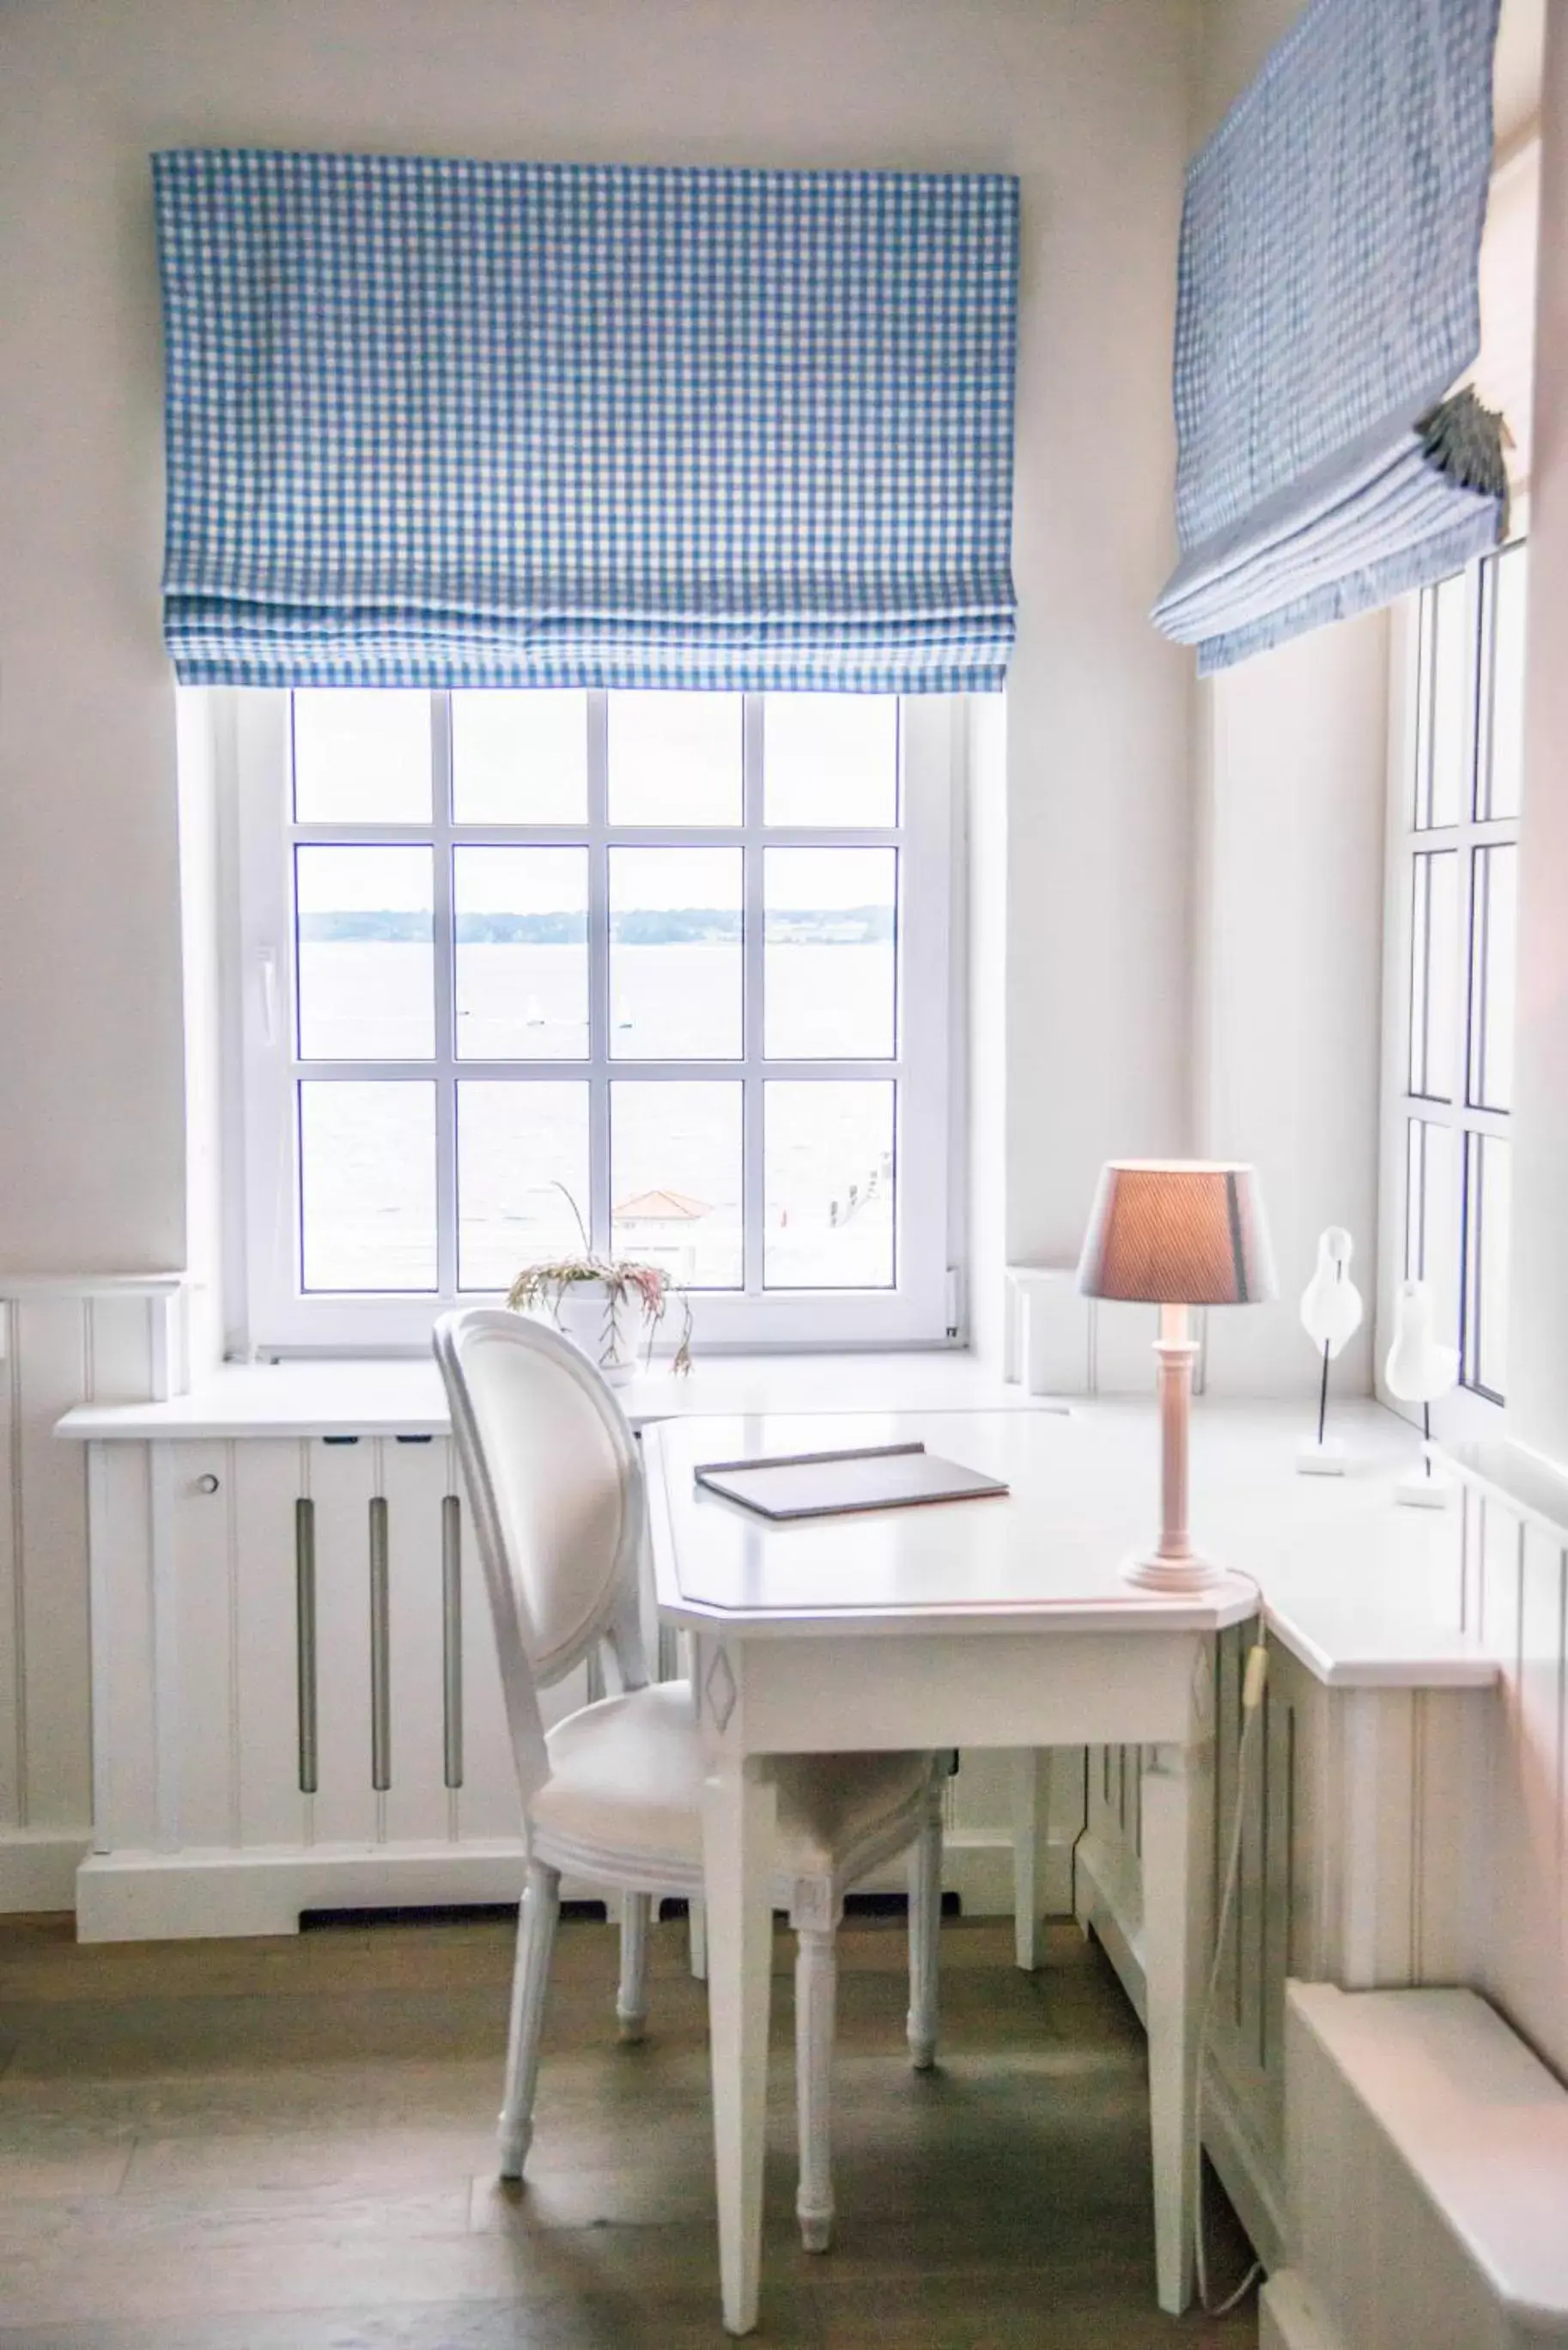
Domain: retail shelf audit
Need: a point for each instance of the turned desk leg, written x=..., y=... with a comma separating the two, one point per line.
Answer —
x=737, y=1848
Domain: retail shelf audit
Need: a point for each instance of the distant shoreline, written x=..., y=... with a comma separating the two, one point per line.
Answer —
x=649, y=927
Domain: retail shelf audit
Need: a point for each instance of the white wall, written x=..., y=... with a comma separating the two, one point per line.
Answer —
x=1538, y=1330
x=1290, y=780
x=1084, y=99
x=985, y=1058
x=1290, y=764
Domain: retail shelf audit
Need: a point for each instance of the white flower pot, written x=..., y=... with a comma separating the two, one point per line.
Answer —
x=609, y=1340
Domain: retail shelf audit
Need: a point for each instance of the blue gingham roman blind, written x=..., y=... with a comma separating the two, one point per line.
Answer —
x=1327, y=301
x=519, y=424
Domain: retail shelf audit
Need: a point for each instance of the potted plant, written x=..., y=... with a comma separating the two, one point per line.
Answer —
x=607, y=1305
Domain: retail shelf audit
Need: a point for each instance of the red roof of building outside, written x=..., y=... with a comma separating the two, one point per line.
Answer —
x=670, y=1207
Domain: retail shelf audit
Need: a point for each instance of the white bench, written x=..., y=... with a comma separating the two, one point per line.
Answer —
x=1427, y=2155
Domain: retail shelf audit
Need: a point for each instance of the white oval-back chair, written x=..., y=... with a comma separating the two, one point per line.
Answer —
x=613, y=1795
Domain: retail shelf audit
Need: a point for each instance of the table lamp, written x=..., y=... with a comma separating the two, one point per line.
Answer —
x=1176, y=1233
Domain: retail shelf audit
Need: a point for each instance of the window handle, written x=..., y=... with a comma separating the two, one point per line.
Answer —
x=266, y=971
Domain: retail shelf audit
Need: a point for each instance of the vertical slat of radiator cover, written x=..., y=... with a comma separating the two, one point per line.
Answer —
x=451, y=1638
x=304, y=1619
x=380, y=1651
x=203, y=1543
x=487, y=1805
x=269, y=1476
x=166, y=1739
x=345, y=1477
x=417, y=1804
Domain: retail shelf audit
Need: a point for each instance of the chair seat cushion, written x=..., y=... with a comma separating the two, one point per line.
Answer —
x=626, y=1778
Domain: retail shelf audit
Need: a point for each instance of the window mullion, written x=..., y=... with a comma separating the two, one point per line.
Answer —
x=754, y=1186
x=1464, y=949
x=598, y=1074
x=445, y=988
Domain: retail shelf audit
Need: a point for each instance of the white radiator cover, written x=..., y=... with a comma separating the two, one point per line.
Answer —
x=1428, y=2162
x=296, y=1701
x=1359, y=1862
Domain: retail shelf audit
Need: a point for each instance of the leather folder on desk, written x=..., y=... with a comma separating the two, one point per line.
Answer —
x=825, y=1484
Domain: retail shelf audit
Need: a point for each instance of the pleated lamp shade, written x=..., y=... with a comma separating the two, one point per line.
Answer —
x=1177, y=1231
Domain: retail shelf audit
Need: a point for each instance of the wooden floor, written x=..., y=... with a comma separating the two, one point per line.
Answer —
x=286, y=2144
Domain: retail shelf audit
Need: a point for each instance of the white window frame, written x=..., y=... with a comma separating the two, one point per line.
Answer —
x=251, y=730
x=1471, y=1412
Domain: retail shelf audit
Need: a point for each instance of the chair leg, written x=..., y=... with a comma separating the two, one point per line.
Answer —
x=631, y=1999
x=924, y=1930
x=531, y=1975
x=815, y=1993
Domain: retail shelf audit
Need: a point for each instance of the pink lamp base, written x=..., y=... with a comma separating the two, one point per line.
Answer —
x=1177, y=1575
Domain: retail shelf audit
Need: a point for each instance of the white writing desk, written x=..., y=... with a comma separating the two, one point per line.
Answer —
x=997, y=1622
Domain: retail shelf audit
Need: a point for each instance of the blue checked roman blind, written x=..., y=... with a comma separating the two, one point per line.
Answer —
x=461, y=423
x=1327, y=301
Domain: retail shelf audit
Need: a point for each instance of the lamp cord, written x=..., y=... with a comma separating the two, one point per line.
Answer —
x=1252, y=1687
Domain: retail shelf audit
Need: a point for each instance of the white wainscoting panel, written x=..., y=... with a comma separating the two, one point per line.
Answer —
x=1361, y=1854
x=1056, y=1343
x=1516, y=1597
x=61, y=1344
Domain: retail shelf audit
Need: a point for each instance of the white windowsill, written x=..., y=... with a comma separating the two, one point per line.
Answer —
x=368, y=1396
x=1363, y=1593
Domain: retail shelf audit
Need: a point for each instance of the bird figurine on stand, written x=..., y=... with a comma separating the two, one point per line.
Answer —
x=1331, y=1315
x=1419, y=1369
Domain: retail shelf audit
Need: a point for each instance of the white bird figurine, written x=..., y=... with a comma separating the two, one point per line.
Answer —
x=1419, y=1368
x=1331, y=1306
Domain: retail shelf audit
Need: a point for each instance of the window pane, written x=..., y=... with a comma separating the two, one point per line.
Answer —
x=829, y=960
x=521, y=1149
x=675, y=1180
x=1506, y=580
x=1488, y=1209
x=1432, y=1220
x=1447, y=614
x=828, y=1179
x=1434, y=948
x=521, y=920
x=1494, y=953
x=675, y=954
x=675, y=758
x=830, y=758
x=519, y=758
x=367, y=963
x=367, y=1185
x=361, y=757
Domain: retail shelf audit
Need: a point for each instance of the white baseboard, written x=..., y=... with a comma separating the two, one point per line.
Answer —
x=202, y=1892
x=1253, y=2183
x=1248, y=2178
x=38, y=1867
x=1101, y=1912
x=1245, y=2170
x=1290, y=2319
x=977, y=1865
